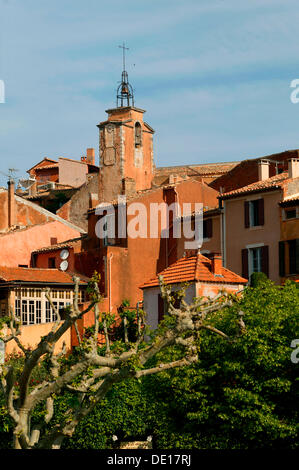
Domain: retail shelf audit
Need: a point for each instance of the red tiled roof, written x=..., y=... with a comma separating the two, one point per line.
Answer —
x=46, y=276
x=290, y=200
x=59, y=246
x=275, y=182
x=39, y=163
x=200, y=169
x=46, y=167
x=194, y=268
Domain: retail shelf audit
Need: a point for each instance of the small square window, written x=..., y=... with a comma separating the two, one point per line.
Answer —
x=52, y=263
x=290, y=214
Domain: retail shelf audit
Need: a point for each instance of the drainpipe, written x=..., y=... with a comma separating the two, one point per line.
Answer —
x=11, y=203
x=223, y=234
x=110, y=288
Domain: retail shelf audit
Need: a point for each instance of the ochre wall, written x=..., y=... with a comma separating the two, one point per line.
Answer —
x=31, y=336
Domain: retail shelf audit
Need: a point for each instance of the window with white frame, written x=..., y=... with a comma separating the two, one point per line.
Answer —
x=32, y=306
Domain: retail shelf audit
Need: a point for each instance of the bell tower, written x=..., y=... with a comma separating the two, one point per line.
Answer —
x=126, y=146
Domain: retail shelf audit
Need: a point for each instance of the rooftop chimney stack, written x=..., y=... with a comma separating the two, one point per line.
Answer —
x=263, y=166
x=93, y=200
x=293, y=167
x=90, y=156
x=11, y=203
x=216, y=264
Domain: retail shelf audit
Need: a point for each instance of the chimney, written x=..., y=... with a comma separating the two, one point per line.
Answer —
x=263, y=166
x=90, y=156
x=191, y=252
x=216, y=264
x=33, y=189
x=93, y=200
x=11, y=204
x=293, y=167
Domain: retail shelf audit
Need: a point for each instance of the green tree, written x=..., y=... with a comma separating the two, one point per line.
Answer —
x=240, y=394
x=45, y=413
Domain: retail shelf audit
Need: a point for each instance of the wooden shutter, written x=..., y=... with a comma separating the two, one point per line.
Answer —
x=297, y=256
x=245, y=263
x=292, y=256
x=265, y=260
x=281, y=258
x=261, y=211
x=208, y=228
x=246, y=214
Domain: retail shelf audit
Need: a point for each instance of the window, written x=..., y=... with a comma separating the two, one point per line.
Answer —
x=3, y=307
x=109, y=230
x=51, y=263
x=61, y=307
x=54, y=316
x=161, y=308
x=207, y=228
x=31, y=312
x=24, y=312
x=18, y=308
x=255, y=259
x=48, y=312
x=38, y=317
x=254, y=213
x=138, y=135
x=290, y=214
x=293, y=256
x=163, y=305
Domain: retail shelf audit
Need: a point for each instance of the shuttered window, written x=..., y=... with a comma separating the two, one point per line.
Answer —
x=293, y=256
x=254, y=213
x=281, y=247
x=160, y=308
x=245, y=263
x=208, y=228
x=255, y=260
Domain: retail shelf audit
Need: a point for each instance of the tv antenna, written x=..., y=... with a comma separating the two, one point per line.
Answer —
x=11, y=174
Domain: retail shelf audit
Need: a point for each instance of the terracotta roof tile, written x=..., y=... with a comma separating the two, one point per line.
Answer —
x=194, y=268
x=275, y=182
x=59, y=246
x=46, y=276
x=46, y=167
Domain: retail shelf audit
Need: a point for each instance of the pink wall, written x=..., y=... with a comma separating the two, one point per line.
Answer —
x=72, y=173
x=238, y=237
x=16, y=247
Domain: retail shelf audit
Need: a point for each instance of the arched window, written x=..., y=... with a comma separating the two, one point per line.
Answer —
x=138, y=135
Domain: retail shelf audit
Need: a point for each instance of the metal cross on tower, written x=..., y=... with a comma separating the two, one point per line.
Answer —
x=125, y=95
x=124, y=48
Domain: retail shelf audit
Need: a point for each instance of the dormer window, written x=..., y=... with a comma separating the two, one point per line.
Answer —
x=138, y=135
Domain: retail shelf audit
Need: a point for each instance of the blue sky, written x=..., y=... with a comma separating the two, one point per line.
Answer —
x=213, y=75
